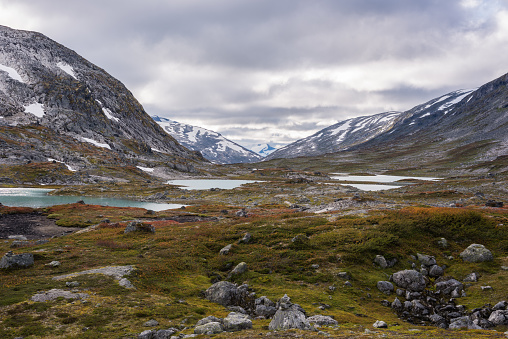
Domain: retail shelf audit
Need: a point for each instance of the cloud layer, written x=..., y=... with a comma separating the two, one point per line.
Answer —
x=275, y=71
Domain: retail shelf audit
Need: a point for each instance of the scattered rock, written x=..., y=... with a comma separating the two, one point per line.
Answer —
x=380, y=261
x=160, y=334
x=239, y=269
x=57, y=293
x=72, y=284
x=117, y=272
x=288, y=316
x=499, y=317
x=227, y=294
x=126, y=283
x=476, y=253
x=264, y=307
x=322, y=320
x=463, y=322
x=486, y=288
x=348, y=284
x=225, y=250
x=17, y=237
x=409, y=279
x=380, y=324
x=11, y=260
x=386, y=287
x=151, y=323
x=436, y=271
x=237, y=322
x=314, y=266
x=241, y=213
x=209, y=319
x=137, y=226
x=448, y=286
x=472, y=277
x=209, y=328
x=500, y=306
x=443, y=243
x=427, y=260
x=246, y=238
x=344, y=275
x=54, y=264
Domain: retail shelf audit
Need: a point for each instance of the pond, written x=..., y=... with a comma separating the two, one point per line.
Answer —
x=206, y=184
x=377, y=178
x=37, y=197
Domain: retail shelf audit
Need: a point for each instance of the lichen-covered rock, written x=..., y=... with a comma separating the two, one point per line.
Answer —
x=380, y=261
x=11, y=260
x=225, y=250
x=436, y=271
x=499, y=317
x=236, y=322
x=463, y=322
x=239, y=269
x=385, y=286
x=288, y=316
x=227, y=294
x=476, y=253
x=410, y=280
x=322, y=320
x=427, y=260
x=264, y=307
x=380, y=324
x=209, y=328
x=137, y=226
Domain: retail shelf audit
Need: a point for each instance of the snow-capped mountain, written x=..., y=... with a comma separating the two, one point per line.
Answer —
x=72, y=111
x=263, y=149
x=212, y=145
x=356, y=132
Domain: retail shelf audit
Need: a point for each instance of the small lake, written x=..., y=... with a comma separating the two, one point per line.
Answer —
x=37, y=197
x=206, y=184
x=377, y=178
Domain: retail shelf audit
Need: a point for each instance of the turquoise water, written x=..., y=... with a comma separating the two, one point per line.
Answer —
x=377, y=178
x=206, y=184
x=37, y=197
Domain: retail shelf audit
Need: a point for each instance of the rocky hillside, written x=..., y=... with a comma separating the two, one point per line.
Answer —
x=54, y=104
x=359, y=132
x=212, y=145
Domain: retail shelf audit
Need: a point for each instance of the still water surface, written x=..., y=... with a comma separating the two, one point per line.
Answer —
x=37, y=197
x=377, y=178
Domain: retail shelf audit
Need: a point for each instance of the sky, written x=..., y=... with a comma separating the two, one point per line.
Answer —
x=274, y=71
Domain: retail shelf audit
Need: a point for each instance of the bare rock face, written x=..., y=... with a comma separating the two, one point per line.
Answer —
x=476, y=253
x=410, y=280
x=289, y=316
x=11, y=260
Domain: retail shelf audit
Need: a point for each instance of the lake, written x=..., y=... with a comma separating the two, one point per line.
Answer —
x=377, y=178
x=206, y=184
x=37, y=197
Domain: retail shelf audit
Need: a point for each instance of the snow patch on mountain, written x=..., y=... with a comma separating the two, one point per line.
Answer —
x=67, y=69
x=11, y=72
x=36, y=109
x=96, y=143
x=212, y=145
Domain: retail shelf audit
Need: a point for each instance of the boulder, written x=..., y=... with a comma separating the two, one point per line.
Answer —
x=443, y=243
x=11, y=260
x=476, y=253
x=380, y=324
x=57, y=293
x=500, y=306
x=427, y=260
x=160, y=334
x=213, y=327
x=436, y=271
x=471, y=277
x=264, y=307
x=246, y=238
x=499, y=317
x=151, y=323
x=385, y=286
x=225, y=250
x=380, y=261
x=288, y=316
x=237, y=322
x=229, y=294
x=322, y=320
x=239, y=269
x=137, y=226
x=463, y=322
x=241, y=213
x=209, y=319
x=409, y=279
x=448, y=286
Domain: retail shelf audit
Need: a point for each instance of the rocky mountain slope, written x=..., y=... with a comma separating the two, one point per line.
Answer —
x=54, y=104
x=212, y=145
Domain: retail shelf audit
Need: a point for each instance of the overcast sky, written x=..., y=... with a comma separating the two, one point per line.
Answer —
x=278, y=70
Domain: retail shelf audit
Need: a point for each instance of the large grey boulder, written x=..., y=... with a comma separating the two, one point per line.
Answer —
x=237, y=322
x=380, y=261
x=137, y=226
x=264, y=307
x=499, y=317
x=209, y=319
x=463, y=322
x=11, y=260
x=157, y=334
x=436, y=271
x=288, y=316
x=476, y=253
x=213, y=327
x=410, y=280
x=448, y=286
x=380, y=324
x=227, y=294
x=427, y=260
x=239, y=269
x=386, y=287
x=322, y=320
x=225, y=250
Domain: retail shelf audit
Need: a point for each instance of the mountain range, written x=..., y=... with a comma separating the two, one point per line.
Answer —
x=212, y=145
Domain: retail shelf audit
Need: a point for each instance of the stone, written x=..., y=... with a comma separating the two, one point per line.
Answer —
x=124, y=282
x=227, y=294
x=236, y=322
x=409, y=279
x=148, y=334
x=380, y=261
x=264, y=307
x=239, y=269
x=237, y=309
x=499, y=317
x=500, y=306
x=11, y=260
x=436, y=271
x=137, y=226
x=55, y=294
x=344, y=275
x=427, y=260
x=448, y=286
x=225, y=250
x=151, y=323
x=476, y=253
x=54, y=264
x=463, y=322
x=380, y=324
x=241, y=213
x=246, y=238
x=443, y=243
x=20, y=243
x=72, y=284
x=165, y=334
x=213, y=327
x=471, y=277
x=436, y=319
x=322, y=320
x=17, y=236
x=314, y=266
x=288, y=316
x=348, y=284
x=209, y=319
x=486, y=288
x=396, y=304
x=385, y=287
